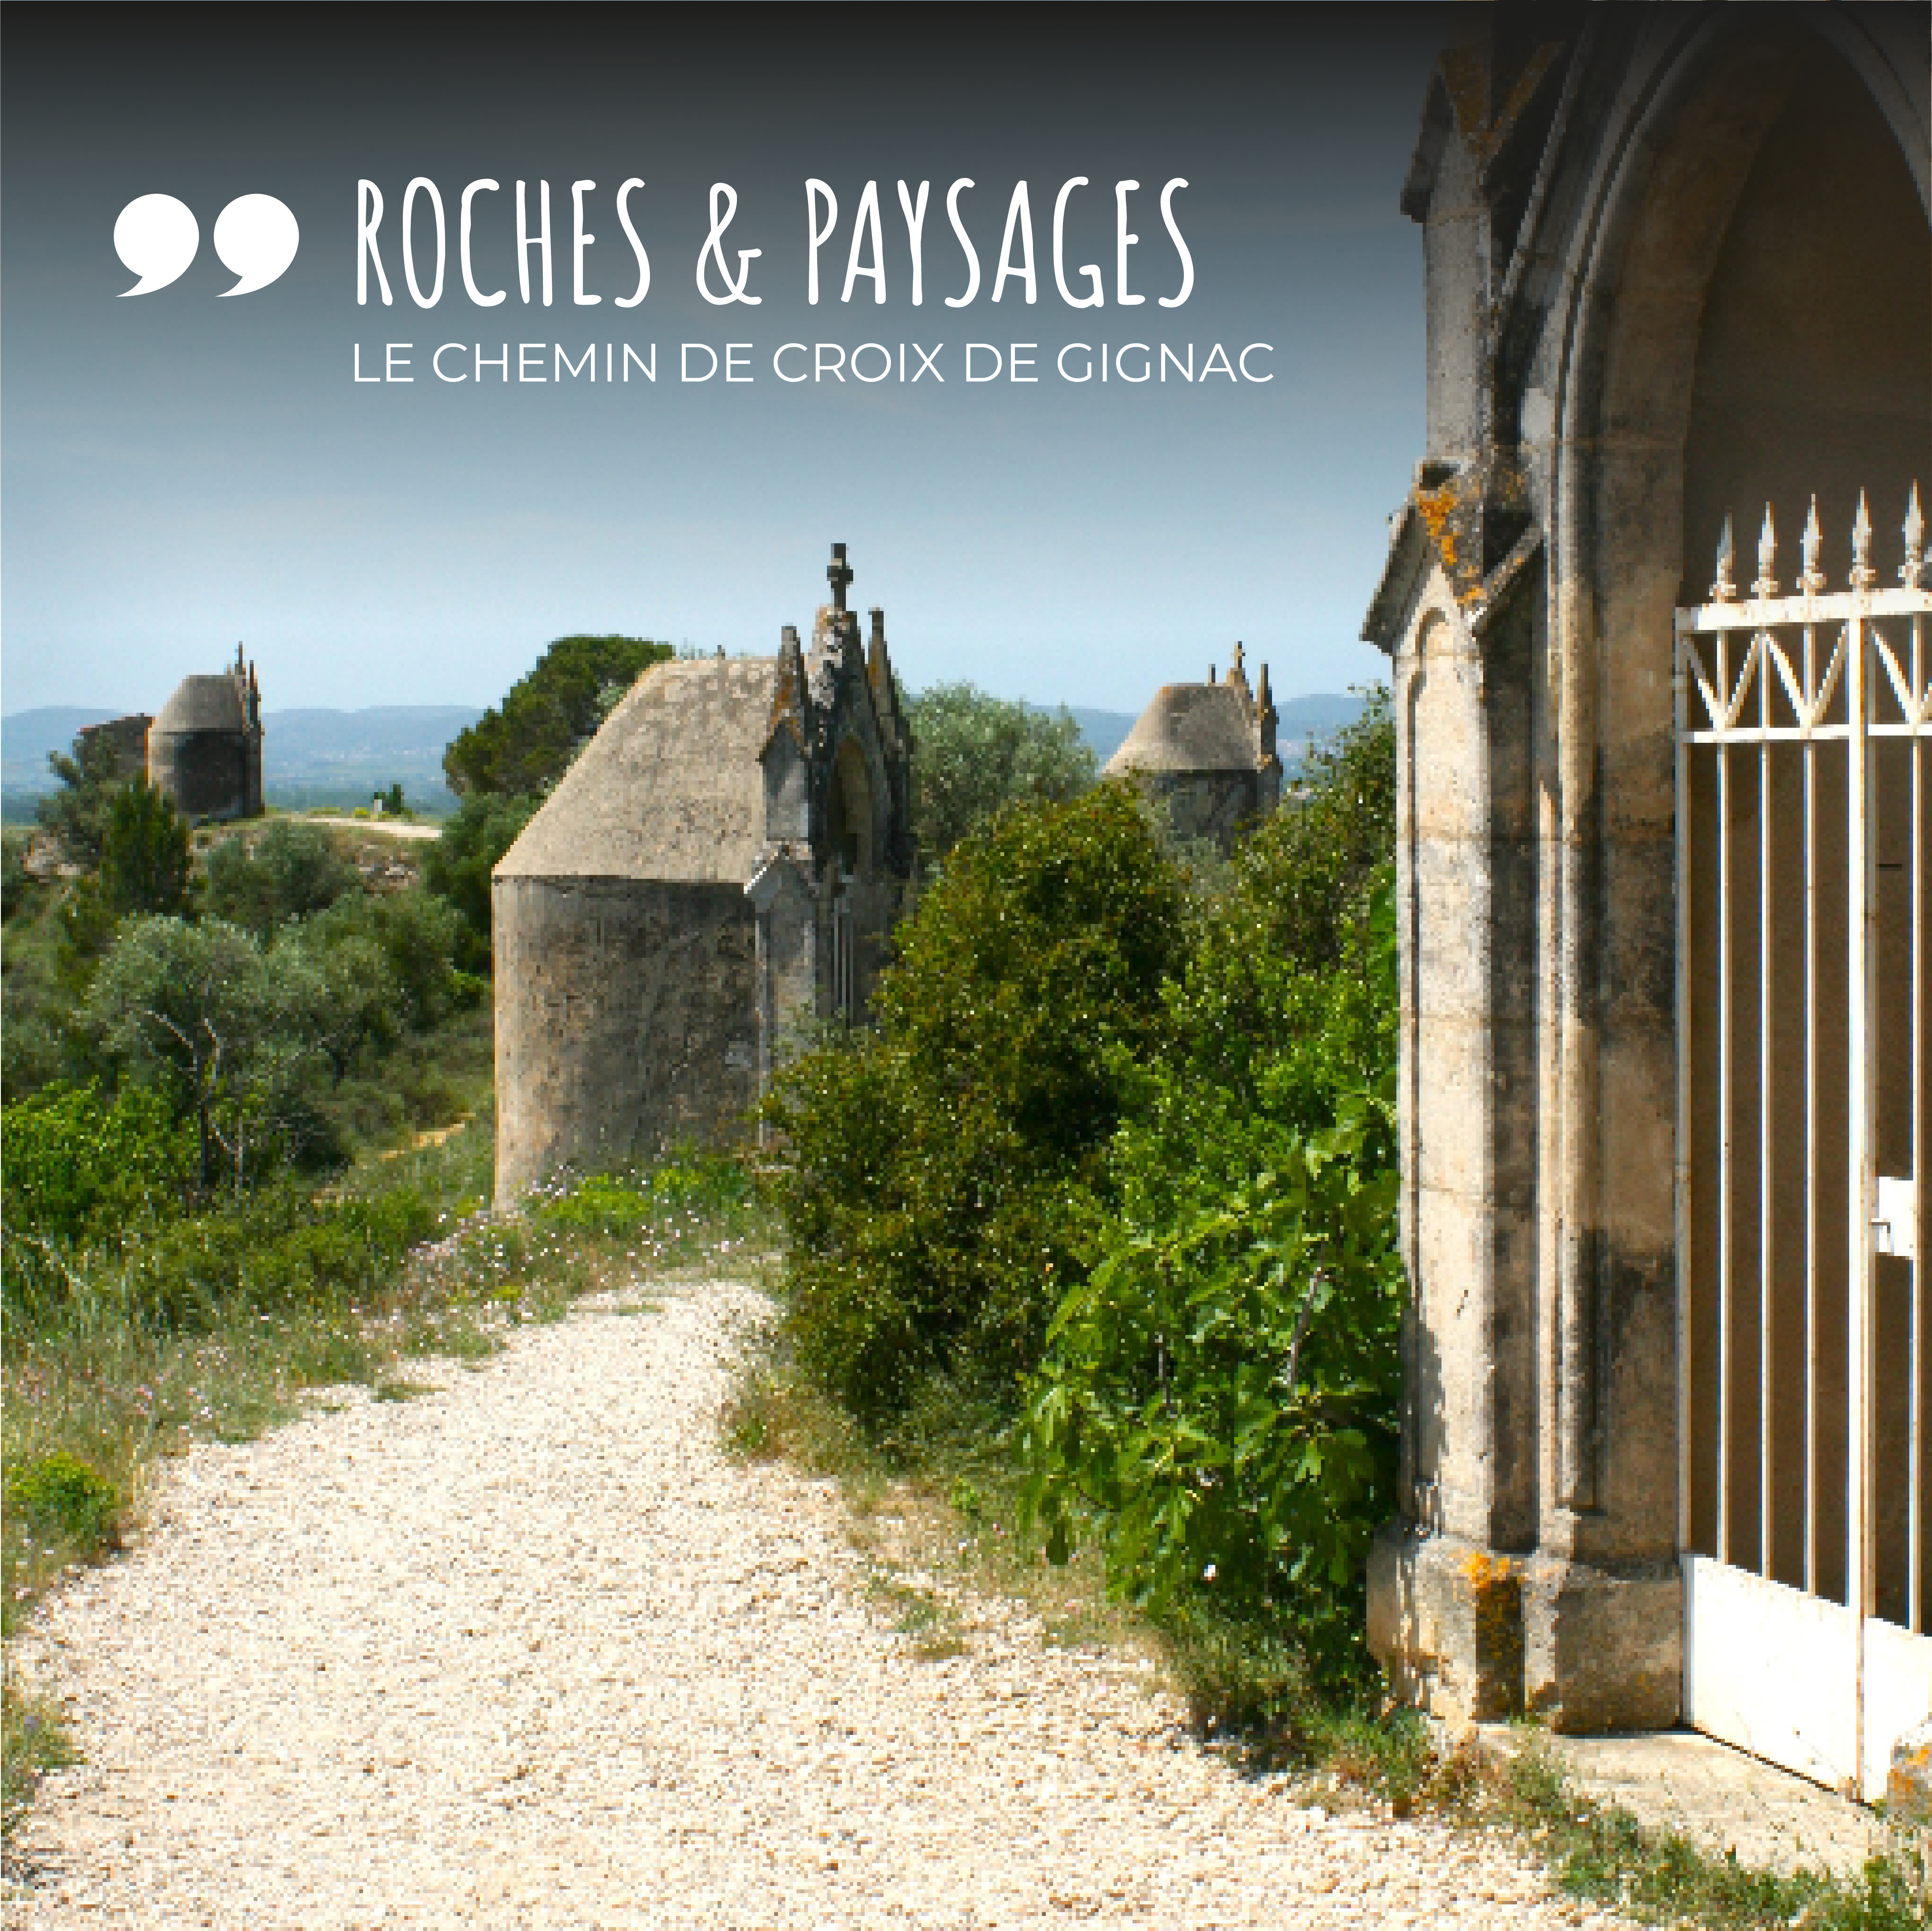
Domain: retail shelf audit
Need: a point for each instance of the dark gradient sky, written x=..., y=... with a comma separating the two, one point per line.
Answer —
x=181, y=471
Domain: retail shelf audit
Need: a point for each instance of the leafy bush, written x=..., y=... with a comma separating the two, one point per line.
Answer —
x=978, y=754
x=619, y=1205
x=522, y=748
x=277, y=1249
x=233, y=1031
x=77, y=1168
x=1218, y=1398
x=458, y=866
x=145, y=852
x=415, y=937
x=76, y=813
x=17, y=889
x=1302, y=875
x=61, y=1495
x=941, y=1174
x=287, y=871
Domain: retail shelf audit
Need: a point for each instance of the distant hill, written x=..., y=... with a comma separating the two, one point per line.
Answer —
x=308, y=757
x=1317, y=716
x=327, y=757
x=339, y=757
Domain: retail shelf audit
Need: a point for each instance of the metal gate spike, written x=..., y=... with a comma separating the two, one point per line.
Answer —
x=1766, y=585
x=1863, y=575
x=1724, y=586
x=1810, y=578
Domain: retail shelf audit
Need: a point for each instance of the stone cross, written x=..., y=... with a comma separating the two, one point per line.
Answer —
x=838, y=574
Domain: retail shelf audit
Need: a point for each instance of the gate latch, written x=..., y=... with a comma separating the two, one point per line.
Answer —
x=1895, y=1223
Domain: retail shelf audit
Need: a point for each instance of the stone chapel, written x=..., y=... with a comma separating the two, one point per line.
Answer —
x=721, y=865
x=204, y=750
x=1657, y=606
x=1204, y=754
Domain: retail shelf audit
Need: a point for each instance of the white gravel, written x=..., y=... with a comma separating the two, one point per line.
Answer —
x=529, y=1652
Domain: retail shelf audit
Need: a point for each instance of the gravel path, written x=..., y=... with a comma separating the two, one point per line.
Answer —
x=529, y=1652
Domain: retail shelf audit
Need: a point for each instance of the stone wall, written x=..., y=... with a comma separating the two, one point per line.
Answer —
x=627, y=1020
x=207, y=774
x=127, y=737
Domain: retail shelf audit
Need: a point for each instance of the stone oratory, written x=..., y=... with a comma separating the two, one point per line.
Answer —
x=1204, y=753
x=721, y=866
x=204, y=750
x=1664, y=886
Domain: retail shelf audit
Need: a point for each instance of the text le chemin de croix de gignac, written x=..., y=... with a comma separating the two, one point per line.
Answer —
x=725, y=275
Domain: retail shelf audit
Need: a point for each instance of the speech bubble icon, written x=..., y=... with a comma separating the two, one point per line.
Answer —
x=257, y=236
x=156, y=238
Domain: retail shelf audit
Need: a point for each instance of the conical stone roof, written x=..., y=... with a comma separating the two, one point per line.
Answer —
x=1189, y=727
x=203, y=703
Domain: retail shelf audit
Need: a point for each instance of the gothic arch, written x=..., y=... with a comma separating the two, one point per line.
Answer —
x=1645, y=446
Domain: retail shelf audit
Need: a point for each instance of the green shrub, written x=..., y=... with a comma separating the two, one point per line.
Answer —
x=274, y=1250
x=77, y=1167
x=17, y=890
x=145, y=852
x=1302, y=875
x=287, y=871
x=940, y=1174
x=1218, y=1397
x=415, y=937
x=232, y=1031
x=76, y=813
x=61, y=1495
x=458, y=866
x=618, y=1206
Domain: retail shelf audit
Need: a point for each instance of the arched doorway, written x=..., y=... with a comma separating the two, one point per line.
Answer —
x=849, y=840
x=1768, y=345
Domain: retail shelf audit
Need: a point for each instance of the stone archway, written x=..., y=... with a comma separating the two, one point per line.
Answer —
x=1752, y=329
x=1580, y=197
x=849, y=810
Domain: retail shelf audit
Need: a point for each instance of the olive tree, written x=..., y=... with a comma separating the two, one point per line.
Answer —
x=233, y=1030
x=978, y=754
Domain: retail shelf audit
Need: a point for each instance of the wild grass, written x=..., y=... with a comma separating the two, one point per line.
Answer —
x=225, y=1324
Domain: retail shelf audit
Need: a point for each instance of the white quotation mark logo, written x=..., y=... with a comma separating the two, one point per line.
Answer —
x=157, y=237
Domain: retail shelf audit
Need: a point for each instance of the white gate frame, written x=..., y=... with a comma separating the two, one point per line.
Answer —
x=1821, y=1687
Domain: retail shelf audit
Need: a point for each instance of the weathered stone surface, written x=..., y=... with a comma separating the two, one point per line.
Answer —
x=1670, y=265
x=1445, y=1619
x=126, y=738
x=1602, y=1644
x=204, y=750
x=1908, y=1790
x=1204, y=754
x=626, y=1020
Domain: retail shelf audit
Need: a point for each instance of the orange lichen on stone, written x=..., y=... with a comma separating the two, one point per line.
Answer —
x=1465, y=73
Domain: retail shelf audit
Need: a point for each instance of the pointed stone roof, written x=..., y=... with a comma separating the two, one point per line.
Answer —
x=670, y=789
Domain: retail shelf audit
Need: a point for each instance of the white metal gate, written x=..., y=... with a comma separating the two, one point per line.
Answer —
x=1805, y=1336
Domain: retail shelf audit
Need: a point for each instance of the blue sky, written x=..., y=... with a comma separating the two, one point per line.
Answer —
x=181, y=471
